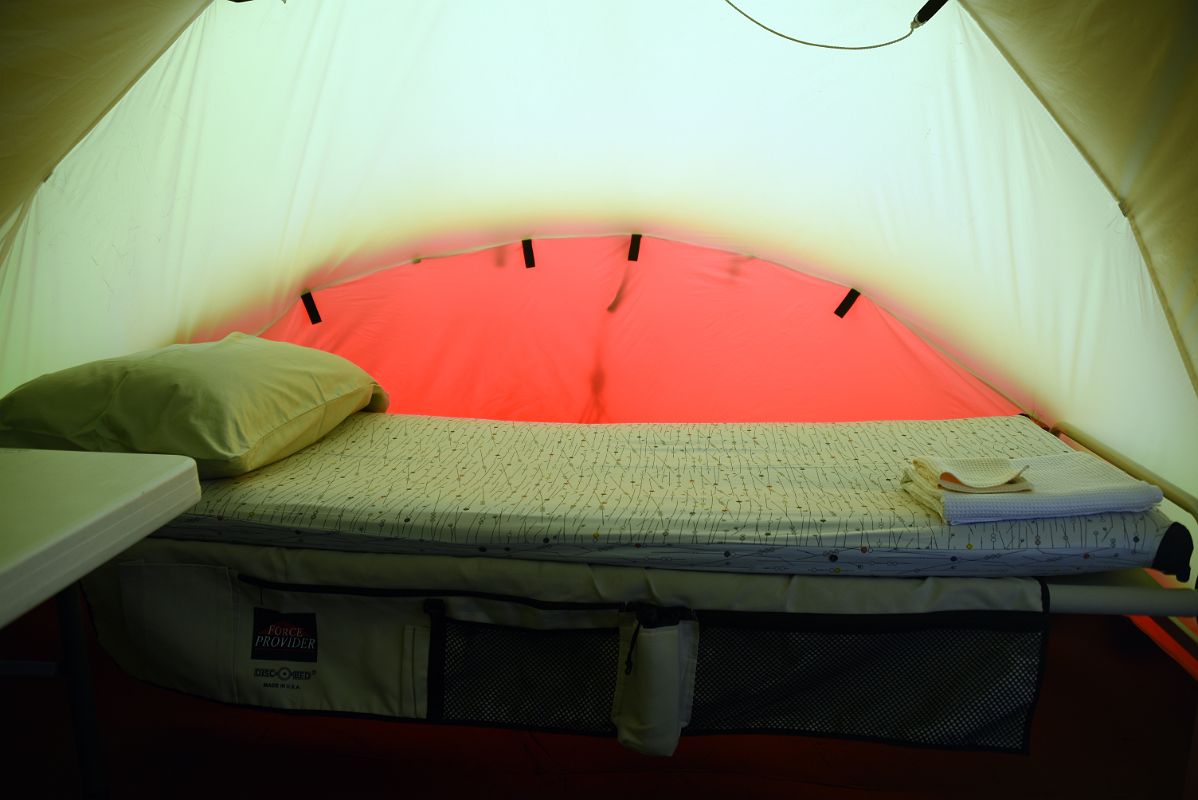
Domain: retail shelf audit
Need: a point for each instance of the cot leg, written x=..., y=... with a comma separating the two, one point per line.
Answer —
x=79, y=693
x=1191, y=785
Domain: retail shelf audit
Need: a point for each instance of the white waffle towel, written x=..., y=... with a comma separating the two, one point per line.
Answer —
x=986, y=475
x=1061, y=485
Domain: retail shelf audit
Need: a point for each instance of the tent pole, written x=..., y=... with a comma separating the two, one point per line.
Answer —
x=1150, y=600
x=1172, y=626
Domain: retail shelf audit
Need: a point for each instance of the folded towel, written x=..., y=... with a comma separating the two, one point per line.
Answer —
x=1061, y=485
x=986, y=475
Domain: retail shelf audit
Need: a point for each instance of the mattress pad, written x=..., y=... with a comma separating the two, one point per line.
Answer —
x=792, y=498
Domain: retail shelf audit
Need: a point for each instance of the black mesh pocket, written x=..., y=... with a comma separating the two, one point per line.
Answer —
x=560, y=680
x=924, y=683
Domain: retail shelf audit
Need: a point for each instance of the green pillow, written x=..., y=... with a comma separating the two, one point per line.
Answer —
x=233, y=405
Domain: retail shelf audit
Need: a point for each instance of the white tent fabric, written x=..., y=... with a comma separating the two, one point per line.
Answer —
x=1122, y=80
x=275, y=148
x=64, y=63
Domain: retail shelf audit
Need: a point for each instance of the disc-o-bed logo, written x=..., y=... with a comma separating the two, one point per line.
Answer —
x=283, y=637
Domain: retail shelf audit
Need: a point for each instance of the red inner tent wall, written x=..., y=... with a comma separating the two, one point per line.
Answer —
x=684, y=334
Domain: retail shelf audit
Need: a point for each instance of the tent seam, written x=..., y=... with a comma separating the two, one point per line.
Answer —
x=1128, y=214
x=91, y=126
x=11, y=237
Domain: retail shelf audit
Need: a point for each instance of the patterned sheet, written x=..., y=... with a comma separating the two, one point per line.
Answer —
x=754, y=497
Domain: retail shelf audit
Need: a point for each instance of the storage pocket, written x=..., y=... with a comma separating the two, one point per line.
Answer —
x=320, y=649
x=180, y=624
x=953, y=680
x=554, y=671
x=657, y=682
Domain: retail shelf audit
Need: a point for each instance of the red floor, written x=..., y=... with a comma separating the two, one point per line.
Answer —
x=1115, y=720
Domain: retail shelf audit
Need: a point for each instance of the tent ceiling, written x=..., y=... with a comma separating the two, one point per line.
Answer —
x=1132, y=109
x=230, y=187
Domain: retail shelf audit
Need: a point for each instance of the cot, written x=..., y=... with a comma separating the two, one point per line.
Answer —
x=644, y=581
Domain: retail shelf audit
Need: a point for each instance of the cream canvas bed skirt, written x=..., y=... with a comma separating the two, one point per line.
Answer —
x=640, y=654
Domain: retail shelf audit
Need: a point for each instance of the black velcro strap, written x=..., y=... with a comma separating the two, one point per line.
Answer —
x=634, y=247
x=847, y=303
x=310, y=307
x=529, y=261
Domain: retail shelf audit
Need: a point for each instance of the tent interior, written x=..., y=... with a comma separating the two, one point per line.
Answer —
x=1002, y=199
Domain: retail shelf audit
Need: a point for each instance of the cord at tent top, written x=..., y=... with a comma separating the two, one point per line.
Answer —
x=925, y=13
